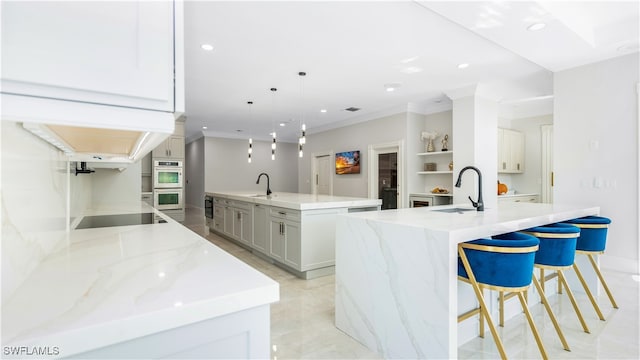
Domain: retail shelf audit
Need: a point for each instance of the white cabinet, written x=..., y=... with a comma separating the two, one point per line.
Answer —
x=218, y=216
x=173, y=146
x=285, y=236
x=118, y=53
x=243, y=224
x=260, y=240
x=511, y=147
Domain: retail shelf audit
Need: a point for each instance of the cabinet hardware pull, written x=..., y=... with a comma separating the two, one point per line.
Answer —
x=317, y=179
x=552, y=178
x=518, y=166
x=282, y=213
x=504, y=165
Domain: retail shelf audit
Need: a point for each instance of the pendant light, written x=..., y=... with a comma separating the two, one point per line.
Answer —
x=273, y=130
x=250, y=123
x=303, y=128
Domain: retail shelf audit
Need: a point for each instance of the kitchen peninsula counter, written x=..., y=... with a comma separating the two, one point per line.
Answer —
x=396, y=271
x=140, y=291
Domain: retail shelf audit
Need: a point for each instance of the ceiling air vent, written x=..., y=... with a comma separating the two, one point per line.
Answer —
x=352, y=109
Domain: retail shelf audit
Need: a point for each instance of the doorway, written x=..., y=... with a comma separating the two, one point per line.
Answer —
x=385, y=174
x=321, y=174
x=388, y=180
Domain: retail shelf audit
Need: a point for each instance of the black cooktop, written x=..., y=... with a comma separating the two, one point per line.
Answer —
x=98, y=221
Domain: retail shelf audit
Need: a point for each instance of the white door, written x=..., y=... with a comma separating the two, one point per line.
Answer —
x=322, y=174
x=547, y=163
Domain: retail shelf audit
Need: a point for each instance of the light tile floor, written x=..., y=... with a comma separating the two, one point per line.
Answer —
x=302, y=323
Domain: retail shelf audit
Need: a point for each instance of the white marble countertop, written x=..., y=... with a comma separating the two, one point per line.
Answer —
x=108, y=285
x=465, y=225
x=299, y=201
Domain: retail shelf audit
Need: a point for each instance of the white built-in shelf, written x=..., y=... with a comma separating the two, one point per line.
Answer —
x=445, y=195
x=434, y=172
x=435, y=153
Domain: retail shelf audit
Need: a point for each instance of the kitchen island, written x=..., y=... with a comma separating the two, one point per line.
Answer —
x=396, y=271
x=293, y=231
x=140, y=286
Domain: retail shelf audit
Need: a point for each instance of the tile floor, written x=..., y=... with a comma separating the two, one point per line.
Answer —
x=302, y=323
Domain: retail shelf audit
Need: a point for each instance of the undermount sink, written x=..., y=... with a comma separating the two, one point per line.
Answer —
x=455, y=210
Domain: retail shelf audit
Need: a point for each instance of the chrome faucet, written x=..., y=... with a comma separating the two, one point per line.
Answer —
x=258, y=182
x=479, y=205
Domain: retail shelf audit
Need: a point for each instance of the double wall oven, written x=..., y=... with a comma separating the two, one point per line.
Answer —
x=167, y=184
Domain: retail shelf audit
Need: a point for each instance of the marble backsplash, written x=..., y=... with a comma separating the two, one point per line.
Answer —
x=35, y=185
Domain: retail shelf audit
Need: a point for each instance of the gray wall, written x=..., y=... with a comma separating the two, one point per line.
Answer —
x=353, y=137
x=194, y=173
x=596, y=149
x=226, y=167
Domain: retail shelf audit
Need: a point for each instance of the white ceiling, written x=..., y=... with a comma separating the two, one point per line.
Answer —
x=350, y=50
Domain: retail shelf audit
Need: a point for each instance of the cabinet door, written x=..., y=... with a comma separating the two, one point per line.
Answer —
x=516, y=141
x=260, y=229
x=502, y=161
x=228, y=221
x=176, y=147
x=293, y=244
x=162, y=150
x=110, y=52
x=243, y=228
x=276, y=245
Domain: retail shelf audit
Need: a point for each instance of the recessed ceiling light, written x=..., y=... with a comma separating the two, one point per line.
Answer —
x=283, y=124
x=391, y=87
x=206, y=47
x=463, y=66
x=536, y=26
x=323, y=110
x=204, y=128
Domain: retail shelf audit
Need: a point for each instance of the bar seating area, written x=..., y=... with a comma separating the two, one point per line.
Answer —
x=506, y=263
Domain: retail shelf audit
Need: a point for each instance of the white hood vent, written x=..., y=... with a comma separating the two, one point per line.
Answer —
x=91, y=133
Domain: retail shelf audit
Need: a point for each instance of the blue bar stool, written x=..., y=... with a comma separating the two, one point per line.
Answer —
x=543, y=298
x=502, y=265
x=592, y=241
x=557, y=253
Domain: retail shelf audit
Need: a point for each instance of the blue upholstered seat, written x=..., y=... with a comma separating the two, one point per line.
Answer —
x=557, y=244
x=499, y=264
x=592, y=241
x=557, y=253
x=593, y=232
x=501, y=269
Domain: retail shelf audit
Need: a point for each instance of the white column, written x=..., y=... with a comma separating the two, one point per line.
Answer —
x=475, y=124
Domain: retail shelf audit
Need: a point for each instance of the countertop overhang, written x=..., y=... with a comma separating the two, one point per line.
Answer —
x=297, y=201
x=109, y=285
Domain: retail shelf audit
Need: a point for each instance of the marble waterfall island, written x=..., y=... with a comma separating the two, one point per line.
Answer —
x=396, y=271
x=293, y=231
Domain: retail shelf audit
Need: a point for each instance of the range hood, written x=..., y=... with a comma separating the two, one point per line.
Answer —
x=97, y=134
